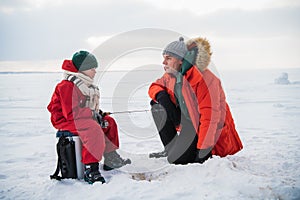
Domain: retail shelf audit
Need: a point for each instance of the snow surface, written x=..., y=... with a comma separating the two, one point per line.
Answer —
x=267, y=116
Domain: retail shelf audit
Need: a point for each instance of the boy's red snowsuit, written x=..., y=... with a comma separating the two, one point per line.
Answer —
x=67, y=113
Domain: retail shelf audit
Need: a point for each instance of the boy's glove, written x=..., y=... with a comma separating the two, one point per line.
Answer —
x=203, y=155
x=99, y=118
x=96, y=116
x=103, y=114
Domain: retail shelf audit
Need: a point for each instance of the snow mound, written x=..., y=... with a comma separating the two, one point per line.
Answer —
x=283, y=79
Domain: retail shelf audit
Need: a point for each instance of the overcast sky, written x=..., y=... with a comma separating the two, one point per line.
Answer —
x=243, y=34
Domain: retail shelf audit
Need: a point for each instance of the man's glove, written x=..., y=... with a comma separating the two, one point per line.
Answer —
x=173, y=113
x=203, y=155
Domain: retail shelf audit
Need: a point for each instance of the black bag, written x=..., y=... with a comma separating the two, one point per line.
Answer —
x=66, y=162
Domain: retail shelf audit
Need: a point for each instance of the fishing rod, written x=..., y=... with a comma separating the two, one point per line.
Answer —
x=127, y=111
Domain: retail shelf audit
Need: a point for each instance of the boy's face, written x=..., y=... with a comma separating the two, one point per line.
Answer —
x=90, y=73
x=171, y=64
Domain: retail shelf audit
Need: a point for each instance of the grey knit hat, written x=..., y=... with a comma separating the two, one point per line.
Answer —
x=176, y=49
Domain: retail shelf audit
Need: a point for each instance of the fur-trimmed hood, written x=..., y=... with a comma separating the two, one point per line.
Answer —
x=203, y=56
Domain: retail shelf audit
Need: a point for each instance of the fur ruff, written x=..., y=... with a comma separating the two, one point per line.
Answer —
x=203, y=55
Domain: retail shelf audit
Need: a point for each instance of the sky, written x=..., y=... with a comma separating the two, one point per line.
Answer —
x=243, y=34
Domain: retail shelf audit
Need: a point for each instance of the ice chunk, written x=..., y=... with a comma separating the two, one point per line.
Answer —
x=283, y=79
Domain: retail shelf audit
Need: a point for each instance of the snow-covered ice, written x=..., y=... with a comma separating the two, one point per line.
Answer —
x=266, y=114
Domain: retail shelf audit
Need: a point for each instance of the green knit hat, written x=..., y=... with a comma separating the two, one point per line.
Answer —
x=84, y=60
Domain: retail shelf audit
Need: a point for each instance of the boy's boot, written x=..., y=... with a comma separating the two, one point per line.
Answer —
x=113, y=160
x=92, y=174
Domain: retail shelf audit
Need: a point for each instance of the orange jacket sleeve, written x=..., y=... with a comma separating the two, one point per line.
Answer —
x=167, y=83
x=154, y=89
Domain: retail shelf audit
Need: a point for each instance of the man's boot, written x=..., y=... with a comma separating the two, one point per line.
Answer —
x=161, y=154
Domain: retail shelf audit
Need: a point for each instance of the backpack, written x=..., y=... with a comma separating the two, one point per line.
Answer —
x=66, y=163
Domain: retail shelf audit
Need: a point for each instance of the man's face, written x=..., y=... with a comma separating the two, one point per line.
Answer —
x=171, y=64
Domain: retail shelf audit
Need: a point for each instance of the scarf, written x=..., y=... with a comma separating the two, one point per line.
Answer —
x=86, y=86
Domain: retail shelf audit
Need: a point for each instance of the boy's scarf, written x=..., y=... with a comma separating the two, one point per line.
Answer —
x=86, y=86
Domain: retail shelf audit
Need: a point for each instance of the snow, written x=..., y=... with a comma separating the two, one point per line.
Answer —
x=266, y=115
x=283, y=79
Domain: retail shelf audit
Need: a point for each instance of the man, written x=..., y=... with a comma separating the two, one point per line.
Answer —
x=74, y=107
x=189, y=106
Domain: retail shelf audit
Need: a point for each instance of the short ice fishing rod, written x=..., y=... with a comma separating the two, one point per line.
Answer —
x=124, y=112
